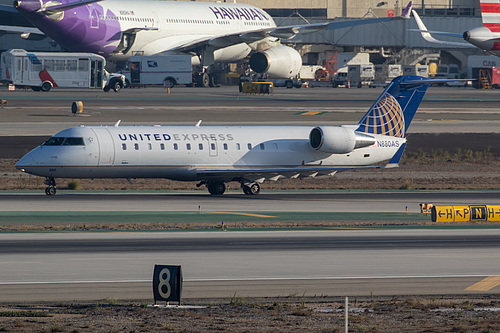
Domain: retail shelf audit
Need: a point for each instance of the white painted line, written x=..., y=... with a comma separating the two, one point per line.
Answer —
x=256, y=279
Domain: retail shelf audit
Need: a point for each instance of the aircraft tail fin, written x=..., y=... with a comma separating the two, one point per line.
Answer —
x=393, y=111
x=490, y=13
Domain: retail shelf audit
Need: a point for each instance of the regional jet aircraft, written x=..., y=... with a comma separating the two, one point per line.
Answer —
x=214, y=155
x=212, y=32
x=486, y=37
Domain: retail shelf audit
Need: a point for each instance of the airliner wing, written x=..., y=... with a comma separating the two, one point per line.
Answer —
x=260, y=175
x=291, y=31
x=24, y=32
x=191, y=43
x=426, y=34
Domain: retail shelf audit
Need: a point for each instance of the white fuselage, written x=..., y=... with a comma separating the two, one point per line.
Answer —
x=169, y=25
x=183, y=152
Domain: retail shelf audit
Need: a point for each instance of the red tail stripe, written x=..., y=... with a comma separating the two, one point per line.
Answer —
x=490, y=8
x=494, y=27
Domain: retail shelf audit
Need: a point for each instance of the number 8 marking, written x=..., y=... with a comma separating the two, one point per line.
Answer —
x=164, y=282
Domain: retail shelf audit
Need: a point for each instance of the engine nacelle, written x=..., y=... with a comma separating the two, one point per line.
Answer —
x=278, y=62
x=482, y=37
x=338, y=140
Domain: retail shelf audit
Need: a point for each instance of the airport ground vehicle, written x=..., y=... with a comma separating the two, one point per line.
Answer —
x=289, y=83
x=168, y=70
x=45, y=70
x=359, y=75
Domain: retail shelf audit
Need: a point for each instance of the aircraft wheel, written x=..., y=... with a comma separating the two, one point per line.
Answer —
x=216, y=188
x=253, y=189
x=51, y=190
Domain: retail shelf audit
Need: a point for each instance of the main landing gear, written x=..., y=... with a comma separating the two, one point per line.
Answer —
x=218, y=187
x=51, y=188
x=252, y=189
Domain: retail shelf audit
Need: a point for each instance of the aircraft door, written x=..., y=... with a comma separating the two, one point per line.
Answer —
x=106, y=146
x=94, y=17
x=156, y=21
x=212, y=148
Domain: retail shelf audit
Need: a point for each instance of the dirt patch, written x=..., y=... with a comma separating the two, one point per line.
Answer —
x=427, y=173
x=286, y=314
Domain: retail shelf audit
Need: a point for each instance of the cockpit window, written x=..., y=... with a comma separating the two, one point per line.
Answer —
x=57, y=141
x=53, y=141
x=73, y=142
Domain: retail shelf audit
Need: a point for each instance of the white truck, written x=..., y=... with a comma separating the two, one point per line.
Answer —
x=42, y=71
x=167, y=70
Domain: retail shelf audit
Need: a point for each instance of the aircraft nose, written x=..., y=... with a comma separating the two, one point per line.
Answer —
x=26, y=161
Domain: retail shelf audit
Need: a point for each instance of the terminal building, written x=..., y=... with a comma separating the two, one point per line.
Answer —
x=386, y=43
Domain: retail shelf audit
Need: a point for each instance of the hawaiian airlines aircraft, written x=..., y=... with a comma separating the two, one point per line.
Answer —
x=486, y=37
x=214, y=155
x=211, y=32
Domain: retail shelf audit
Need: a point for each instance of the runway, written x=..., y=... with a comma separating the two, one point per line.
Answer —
x=268, y=201
x=93, y=266
x=89, y=266
x=443, y=110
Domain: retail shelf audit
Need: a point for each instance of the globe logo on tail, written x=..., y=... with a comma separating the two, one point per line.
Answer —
x=385, y=117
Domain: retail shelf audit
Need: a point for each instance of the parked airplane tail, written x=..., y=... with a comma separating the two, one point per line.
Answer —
x=490, y=13
x=393, y=111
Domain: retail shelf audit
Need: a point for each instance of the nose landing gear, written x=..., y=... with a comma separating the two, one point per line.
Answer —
x=51, y=188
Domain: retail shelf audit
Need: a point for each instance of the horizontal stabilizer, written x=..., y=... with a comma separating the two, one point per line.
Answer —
x=65, y=6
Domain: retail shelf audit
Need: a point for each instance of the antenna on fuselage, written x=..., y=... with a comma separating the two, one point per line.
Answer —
x=198, y=123
x=118, y=123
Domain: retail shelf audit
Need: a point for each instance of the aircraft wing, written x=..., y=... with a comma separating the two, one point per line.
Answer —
x=25, y=32
x=291, y=31
x=260, y=175
x=285, y=32
x=426, y=34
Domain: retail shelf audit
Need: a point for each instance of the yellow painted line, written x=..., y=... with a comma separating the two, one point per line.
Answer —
x=245, y=214
x=486, y=284
x=311, y=113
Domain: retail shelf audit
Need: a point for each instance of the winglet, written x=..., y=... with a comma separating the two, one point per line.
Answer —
x=407, y=11
x=118, y=123
x=426, y=34
x=198, y=123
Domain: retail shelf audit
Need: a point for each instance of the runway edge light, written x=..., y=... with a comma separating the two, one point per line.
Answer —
x=466, y=213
